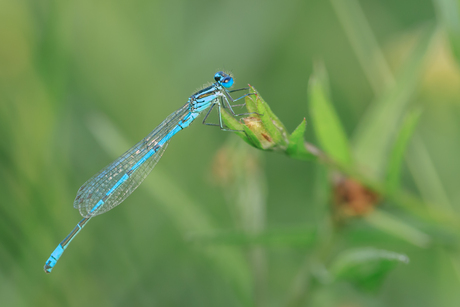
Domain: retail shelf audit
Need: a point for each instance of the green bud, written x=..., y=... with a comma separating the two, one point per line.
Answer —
x=263, y=129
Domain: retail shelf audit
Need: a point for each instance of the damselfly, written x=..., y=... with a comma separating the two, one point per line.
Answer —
x=118, y=180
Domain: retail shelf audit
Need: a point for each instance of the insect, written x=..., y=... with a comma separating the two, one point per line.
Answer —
x=113, y=184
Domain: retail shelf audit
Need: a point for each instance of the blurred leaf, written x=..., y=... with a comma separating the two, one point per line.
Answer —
x=364, y=43
x=426, y=176
x=378, y=126
x=418, y=208
x=391, y=225
x=449, y=13
x=327, y=125
x=365, y=267
x=399, y=148
x=296, y=148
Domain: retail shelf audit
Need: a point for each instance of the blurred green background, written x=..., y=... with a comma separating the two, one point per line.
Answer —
x=218, y=223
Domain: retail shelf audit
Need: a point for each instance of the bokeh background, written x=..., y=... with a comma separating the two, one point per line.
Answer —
x=219, y=223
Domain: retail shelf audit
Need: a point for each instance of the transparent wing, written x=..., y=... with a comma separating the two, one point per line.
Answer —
x=96, y=188
x=124, y=189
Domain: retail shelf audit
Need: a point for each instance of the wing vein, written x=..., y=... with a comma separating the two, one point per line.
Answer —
x=130, y=164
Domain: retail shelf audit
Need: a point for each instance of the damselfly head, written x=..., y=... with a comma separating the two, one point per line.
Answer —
x=224, y=79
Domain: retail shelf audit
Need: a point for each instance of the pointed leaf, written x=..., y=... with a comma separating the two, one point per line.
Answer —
x=297, y=135
x=296, y=148
x=365, y=267
x=399, y=148
x=327, y=125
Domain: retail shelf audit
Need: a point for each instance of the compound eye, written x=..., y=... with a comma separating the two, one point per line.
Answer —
x=227, y=82
x=218, y=76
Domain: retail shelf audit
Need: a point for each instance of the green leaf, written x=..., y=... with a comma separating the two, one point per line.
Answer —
x=399, y=148
x=389, y=224
x=365, y=267
x=296, y=148
x=378, y=126
x=327, y=125
x=296, y=136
